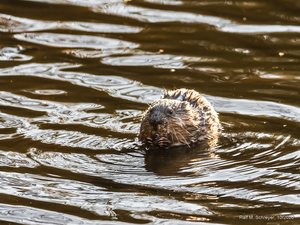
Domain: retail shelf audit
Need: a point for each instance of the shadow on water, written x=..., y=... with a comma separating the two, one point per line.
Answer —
x=172, y=162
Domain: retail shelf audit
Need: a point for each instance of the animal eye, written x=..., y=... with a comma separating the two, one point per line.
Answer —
x=170, y=112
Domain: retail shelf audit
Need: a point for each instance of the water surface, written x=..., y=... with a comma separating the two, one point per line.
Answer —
x=77, y=75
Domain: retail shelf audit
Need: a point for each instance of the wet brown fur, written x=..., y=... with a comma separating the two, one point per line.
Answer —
x=185, y=118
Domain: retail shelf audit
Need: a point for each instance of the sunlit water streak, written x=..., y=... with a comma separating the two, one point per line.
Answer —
x=74, y=88
x=125, y=9
x=15, y=24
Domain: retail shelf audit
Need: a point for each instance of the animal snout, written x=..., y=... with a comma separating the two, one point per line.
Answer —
x=156, y=118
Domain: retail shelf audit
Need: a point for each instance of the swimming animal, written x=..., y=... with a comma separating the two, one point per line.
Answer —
x=181, y=117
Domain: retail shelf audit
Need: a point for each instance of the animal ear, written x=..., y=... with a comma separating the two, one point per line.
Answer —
x=153, y=103
x=166, y=93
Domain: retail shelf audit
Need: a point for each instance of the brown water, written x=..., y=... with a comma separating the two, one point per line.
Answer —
x=76, y=75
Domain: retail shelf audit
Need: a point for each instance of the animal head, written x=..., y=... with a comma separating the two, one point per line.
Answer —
x=168, y=122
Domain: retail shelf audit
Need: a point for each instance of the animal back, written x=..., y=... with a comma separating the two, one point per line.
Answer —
x=191, y=96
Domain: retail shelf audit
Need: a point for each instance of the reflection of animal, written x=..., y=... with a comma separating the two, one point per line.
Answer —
x=181, y=117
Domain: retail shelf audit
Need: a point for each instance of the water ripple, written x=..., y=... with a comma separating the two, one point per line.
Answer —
x=131, y=90
x=98, y=200
x=157, y=61
x=74, y=41
x=116, y=86
x=150, y=15
x=14, y=24
x=14, y=159
x=13, y=54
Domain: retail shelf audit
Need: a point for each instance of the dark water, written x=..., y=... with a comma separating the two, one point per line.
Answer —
x=76, y=75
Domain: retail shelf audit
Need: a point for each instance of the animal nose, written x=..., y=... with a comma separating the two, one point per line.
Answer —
x=155, y=118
